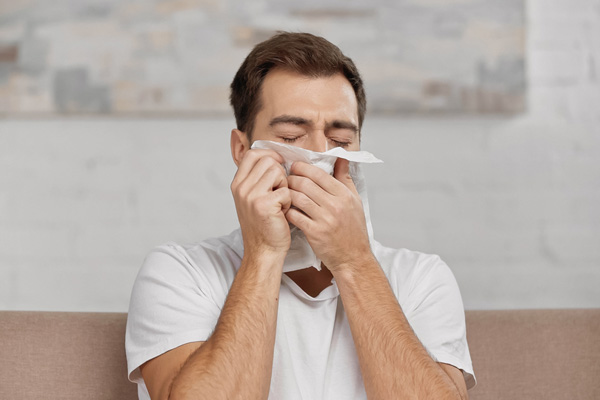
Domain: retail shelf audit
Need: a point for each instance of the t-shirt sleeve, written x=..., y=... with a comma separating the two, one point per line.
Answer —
x=435, y=312
x=171, y=305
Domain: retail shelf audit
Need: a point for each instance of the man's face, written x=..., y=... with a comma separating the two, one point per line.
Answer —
x=313, y=113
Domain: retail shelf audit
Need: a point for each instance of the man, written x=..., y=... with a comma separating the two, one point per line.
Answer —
x=220, y=320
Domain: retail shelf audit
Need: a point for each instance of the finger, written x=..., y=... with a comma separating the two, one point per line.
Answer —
x=317, y=175
x=283, y=197
x=251, y=158
x=266, y=174
x=341, y=172
x=308, y=187
x=299, y=219
x=305, y=204
x=272, y=178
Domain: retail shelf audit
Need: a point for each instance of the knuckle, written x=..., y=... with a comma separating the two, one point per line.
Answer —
x=330, y=221
x=349, y=200
x=245, y=192
x=337, y=210
x=258, y=206
x=335, y=207
x=252, y=155
x=277, y=169
x=235, y=189
x=285, y=192
x=281, y=167
x=347, y=196
x=240, y=189
x=270, y=161
x=263, y=160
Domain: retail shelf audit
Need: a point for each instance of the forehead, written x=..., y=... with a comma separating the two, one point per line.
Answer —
x=285, y=91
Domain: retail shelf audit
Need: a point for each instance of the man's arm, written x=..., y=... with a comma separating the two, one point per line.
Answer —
x=394, y=363
x=236, y=361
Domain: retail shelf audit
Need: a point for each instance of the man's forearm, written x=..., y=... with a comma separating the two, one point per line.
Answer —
x=236, y=361
x=393, y=362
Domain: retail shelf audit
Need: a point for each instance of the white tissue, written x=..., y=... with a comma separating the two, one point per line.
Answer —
x=300, y=255
x=325, y=161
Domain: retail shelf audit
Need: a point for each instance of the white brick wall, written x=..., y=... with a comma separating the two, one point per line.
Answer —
x=511, y=204
x=83, y=201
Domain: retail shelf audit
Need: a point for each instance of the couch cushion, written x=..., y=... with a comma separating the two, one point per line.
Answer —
x=535, y=354
x=56, y=355
x=517, y=354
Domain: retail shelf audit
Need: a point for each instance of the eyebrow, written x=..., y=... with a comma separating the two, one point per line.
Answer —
x=290, y=119
x=337, y=124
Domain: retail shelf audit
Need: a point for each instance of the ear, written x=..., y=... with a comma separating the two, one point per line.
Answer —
x=239, y=145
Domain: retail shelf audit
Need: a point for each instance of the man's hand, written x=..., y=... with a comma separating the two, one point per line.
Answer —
x=261, y=195
x=332, y=216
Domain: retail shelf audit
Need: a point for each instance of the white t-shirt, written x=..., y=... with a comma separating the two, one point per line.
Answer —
x=180, y=291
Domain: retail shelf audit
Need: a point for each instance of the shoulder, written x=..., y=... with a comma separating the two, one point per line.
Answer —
x=413, y=274
x=206, y=268
x=177, y=296
x=214, y=257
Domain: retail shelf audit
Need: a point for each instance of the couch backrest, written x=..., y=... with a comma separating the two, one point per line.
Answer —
x=535, y=354
x=70, y=356
x=524, y=354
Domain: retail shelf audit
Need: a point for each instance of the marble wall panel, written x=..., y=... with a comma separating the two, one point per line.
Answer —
x=173, y=57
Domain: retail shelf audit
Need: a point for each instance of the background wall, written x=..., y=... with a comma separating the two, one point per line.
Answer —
x=511, y=203
x=166, y=57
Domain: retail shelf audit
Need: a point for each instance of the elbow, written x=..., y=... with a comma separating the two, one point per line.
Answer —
x=174, y=392
x=461, y=394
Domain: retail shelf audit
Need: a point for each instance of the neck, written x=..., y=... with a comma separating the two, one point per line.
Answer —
x=310, y=280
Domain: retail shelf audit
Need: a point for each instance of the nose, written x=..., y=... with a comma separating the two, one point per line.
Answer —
x=318, y=142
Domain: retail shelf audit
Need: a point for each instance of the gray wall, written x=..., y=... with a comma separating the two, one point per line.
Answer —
x=511, y=203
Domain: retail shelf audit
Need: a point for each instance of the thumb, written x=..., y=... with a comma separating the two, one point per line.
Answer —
x=341, y=172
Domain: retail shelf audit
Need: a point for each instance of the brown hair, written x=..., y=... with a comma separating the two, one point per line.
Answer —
x=303, y=53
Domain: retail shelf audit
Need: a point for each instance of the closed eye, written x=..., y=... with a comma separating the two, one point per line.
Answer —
x=340, y=144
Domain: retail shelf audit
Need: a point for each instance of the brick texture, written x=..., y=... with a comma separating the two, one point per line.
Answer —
x=510, y=203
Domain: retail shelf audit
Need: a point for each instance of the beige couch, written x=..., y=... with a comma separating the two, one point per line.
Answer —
x=526, y=354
